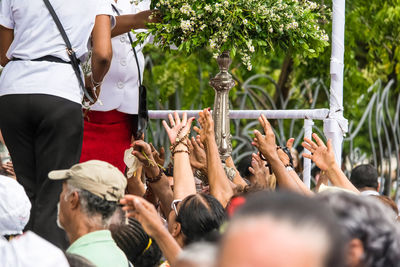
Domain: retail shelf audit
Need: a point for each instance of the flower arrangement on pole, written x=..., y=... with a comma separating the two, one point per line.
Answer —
x=242, y=27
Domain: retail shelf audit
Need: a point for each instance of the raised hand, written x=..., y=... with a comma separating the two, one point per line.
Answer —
x=265, y=144
x=207, y=126
x=147, y=16
x=323, y=156
x=159, y=157
x=198, y=156
x=178, y=128
x=261, y=172
x=142, y=151
x=143, y=211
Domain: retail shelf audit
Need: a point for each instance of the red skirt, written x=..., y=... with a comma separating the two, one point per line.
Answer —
x=106, y=136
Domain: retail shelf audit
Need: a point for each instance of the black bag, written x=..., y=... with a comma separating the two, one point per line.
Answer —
x=71, y=53
x=143, y=113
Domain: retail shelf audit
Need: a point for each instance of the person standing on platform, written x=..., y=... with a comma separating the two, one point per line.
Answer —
x=110, y=123
x=40, y=94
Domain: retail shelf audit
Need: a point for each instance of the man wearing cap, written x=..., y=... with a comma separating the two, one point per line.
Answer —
x=90, y=195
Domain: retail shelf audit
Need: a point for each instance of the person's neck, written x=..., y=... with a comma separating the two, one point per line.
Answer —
x=82, y=227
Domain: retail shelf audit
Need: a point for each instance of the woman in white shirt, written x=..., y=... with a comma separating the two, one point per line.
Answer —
x=40, y=96
x=110, y=123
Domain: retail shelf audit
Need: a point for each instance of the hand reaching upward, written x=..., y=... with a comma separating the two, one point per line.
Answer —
x=323, y=156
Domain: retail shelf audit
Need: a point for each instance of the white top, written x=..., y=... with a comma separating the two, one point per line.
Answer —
x=120, y=89
x=36, y=35
x=31, y=250
x=15, y=207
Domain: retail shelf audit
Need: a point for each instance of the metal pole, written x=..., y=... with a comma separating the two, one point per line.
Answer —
x=308, y=124
x=335, y=126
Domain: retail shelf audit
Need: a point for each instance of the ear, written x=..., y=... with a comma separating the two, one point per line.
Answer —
x=176, y=229
x=74, y=200
x=355, y=252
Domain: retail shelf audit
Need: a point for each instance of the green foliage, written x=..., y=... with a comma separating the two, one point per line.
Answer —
x=372, y=41
x=240, y=26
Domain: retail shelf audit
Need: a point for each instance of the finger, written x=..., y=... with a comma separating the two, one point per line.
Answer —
x=329, y=145
x=198, y=141
x=177, y=119
x=258, y=135
x=289, y=143
x=308, y=156
x=311, y=143
x=308, y=147
x=153, y=148
x=196, y=129
x=184, y=118
x=166, y=127
x=251, y=170
x=188, y=124
x=190, y=144
x=171, y=120
x=162, y=152
x=318, y=140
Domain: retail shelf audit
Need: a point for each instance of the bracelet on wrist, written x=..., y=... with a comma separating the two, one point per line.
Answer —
x=95, y=84
x=156, y=178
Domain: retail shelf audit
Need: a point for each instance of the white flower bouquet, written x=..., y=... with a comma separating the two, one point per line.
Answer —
x=242, y=27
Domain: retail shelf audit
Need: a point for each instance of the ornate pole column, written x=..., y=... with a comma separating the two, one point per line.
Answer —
x=222, y=83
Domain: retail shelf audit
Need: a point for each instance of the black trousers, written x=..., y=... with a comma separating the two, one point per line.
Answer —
x=42, y=133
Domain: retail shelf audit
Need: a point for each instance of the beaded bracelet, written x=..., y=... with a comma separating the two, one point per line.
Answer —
x=157, y=178
x=180, y=151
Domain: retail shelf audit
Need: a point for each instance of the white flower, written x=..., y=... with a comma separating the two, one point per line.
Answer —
x=249, y=67
x=226, y=3
x=186, y=25
x=251, y=49
x=245, y=21
x=325, y=37
x=271, y=30
x=186, y=9
x=202, y=27
x=212, y=44
x=207, y=8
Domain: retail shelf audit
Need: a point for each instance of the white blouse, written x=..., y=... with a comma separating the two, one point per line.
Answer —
x=121, y=84
x=36, y=35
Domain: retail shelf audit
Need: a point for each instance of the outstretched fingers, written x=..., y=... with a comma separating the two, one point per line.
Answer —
x=318, y=140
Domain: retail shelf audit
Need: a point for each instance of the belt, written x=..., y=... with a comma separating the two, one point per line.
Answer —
x=46, y=58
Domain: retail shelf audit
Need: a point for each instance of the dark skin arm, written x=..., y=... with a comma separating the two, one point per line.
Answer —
x=6, y=38
x=126, y=23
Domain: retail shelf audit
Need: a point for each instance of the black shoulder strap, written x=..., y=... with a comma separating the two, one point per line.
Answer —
x=70, y=51
x=133, y=48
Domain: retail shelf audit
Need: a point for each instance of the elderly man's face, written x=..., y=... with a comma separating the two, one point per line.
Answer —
x=268, y=243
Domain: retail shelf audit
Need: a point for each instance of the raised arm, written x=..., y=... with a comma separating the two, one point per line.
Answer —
x=267, y=146
x=324, y=158
x=146, y=214
x=220, y=186
x=156, y=178
x=126, y=23
x=178, y=133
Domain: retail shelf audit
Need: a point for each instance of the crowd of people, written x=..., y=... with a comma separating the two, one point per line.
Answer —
x=120, y=203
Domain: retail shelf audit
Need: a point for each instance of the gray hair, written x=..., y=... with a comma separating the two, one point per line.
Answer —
x=98, y=211
x=369, y=221
x=202, y=254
